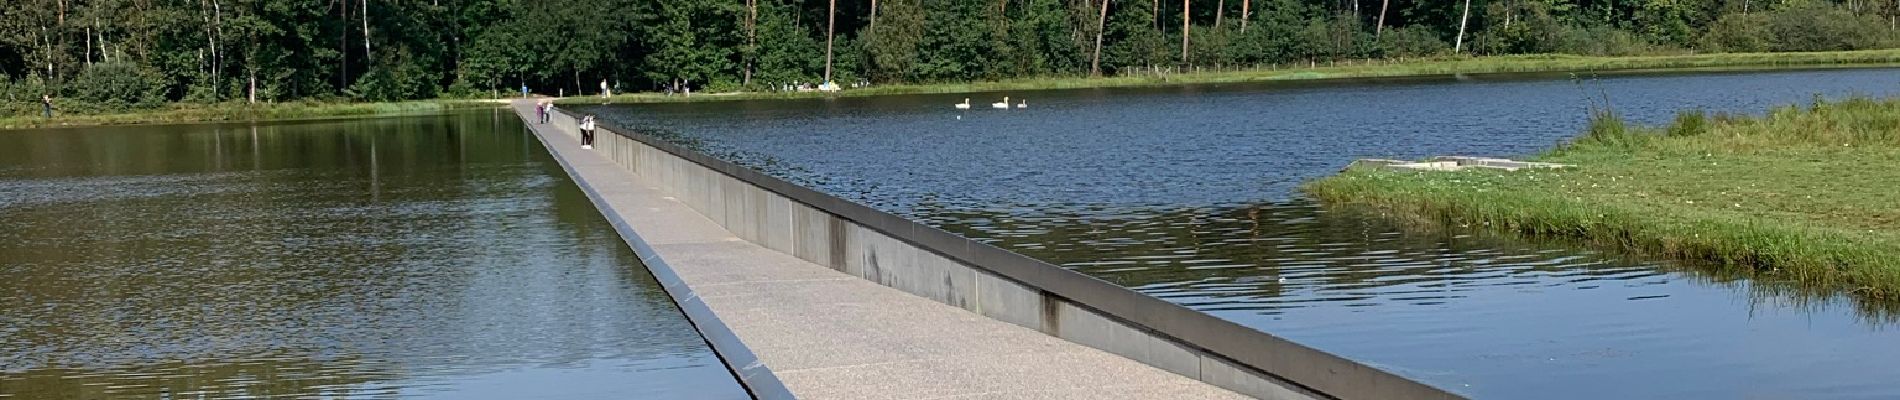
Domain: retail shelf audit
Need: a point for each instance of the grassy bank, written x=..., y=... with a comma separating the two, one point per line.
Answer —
x=1344, y=70
x=1807, y=194
x=178, y=113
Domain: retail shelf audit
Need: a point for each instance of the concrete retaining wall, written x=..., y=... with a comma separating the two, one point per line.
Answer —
x=996, y=283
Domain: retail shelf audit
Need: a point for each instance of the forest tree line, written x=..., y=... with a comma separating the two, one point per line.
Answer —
x=142, y=53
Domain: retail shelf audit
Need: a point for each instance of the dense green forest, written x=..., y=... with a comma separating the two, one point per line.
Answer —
x=142, y=53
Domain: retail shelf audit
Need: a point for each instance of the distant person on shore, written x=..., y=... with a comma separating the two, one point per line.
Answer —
x=46, y=102
x=605, y=92
x=587, y=132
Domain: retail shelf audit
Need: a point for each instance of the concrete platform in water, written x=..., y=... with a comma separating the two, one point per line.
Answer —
x=824, y=334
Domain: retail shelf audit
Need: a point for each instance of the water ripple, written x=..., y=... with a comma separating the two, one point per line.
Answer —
x=460, y=257
x=1188, y=193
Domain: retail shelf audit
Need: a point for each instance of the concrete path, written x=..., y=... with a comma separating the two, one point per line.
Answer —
x=828, y=335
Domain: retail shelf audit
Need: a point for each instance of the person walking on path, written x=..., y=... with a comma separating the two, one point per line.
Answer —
x=547, y=112
x=46, y=102
x=541, y=112
x=587, y=132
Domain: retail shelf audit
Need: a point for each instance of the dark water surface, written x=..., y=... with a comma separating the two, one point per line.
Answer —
x=1190, y=193
x=443, y=257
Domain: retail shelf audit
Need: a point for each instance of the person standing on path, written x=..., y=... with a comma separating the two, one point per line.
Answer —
x=541, y=112
x=547, y=112
x=587, y=132
x=46, y=102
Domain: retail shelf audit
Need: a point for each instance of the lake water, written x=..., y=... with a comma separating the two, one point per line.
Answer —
x=436, y=257
x=1190, y=193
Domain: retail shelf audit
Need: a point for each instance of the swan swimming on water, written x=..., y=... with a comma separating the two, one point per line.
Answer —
x=965, y=105
x=1003, y=105
x=1024, y=103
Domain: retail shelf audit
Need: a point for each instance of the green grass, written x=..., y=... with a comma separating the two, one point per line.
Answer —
x=1803, y=194
x=1345, y=70
x=181, y=113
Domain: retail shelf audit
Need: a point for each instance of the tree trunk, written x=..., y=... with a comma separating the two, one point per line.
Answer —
x=752, y=37
x=343, y=49
x=455, y=38
x=1380, y=29
x=366, y=54
x=105, y=49
x=1075, y=29
x=831, y=22
x=47, y=52
x=253, y=87
x=873, y=15
x=217, y=53
x=1246, y=13
x=1510, y=15
x=211, y=47
x=1220, y=13
x=1184, y=31
x=1154, y=12
x=1101, y=26
x=1459, y=47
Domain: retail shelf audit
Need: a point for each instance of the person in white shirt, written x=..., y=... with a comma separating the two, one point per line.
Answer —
x=587, y=132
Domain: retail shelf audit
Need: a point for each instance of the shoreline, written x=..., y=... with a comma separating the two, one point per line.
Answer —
x=242, y=112
x=1795, y=195
x=1493, y=66
x=1377, y=69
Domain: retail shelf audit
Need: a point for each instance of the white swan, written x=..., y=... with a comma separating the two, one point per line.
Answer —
x=1023, y=103
x=1001, y=106
x=965, y=105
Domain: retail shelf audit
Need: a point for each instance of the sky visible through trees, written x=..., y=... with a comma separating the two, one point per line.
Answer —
x=141, y=53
